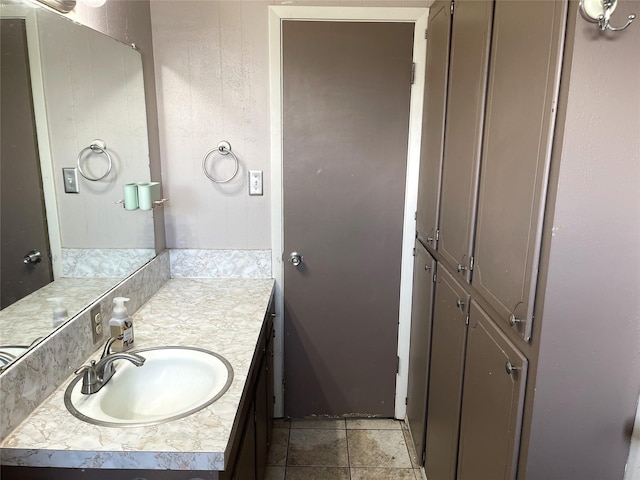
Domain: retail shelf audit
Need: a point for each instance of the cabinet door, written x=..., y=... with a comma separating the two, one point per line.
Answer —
x=271, y=399
x=245, y=467
x=470, y=37
x=423, y=273
x=521, y=102
x=494, y=382
x=435, y=97
x=262, y=427
x=448, y=341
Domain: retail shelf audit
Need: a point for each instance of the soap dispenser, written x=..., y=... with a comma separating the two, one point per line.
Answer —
x=121, y=326
x=60, y=313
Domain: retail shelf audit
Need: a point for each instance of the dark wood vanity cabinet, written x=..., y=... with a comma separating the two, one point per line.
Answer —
x=255, y=415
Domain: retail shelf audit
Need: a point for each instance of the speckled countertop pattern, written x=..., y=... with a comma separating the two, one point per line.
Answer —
x=222, y=315
x=32, y=316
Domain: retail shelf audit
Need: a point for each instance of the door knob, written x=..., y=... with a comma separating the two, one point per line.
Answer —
x=295, y=259
x=34, y=256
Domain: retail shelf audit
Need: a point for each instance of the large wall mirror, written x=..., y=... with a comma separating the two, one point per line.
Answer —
x=66, y=87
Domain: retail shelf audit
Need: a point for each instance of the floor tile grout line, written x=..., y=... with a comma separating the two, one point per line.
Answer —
x=286, y=458
x=346, y=436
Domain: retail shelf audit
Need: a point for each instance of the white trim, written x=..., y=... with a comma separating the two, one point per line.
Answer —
x=276, y=15
x=410, y=207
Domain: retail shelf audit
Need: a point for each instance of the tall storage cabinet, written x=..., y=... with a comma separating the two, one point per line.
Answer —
x=525, y=182
x=424, y=272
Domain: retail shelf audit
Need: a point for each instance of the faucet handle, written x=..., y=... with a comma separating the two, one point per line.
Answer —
x=89, y=377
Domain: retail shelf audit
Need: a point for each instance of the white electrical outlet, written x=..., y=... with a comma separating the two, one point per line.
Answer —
x=255, y=182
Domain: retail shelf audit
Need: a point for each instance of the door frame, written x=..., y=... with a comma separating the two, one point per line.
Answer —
x=336, y=14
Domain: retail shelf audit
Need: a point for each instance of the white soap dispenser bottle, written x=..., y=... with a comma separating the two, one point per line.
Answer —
x=121, y=326
x=60, y=313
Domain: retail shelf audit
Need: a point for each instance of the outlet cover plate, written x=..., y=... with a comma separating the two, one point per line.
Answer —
x=96, y=323
x=255, y=182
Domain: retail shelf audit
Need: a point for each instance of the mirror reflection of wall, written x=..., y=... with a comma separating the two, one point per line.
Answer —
x=85, y=86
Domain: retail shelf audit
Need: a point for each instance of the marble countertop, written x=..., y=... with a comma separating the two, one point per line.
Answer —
x=222, y=315
x=31, y=317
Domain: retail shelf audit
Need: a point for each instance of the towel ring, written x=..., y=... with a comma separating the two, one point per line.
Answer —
x=99, y=147
x=223, y=148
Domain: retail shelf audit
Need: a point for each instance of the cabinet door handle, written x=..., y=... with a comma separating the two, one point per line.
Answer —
x=510, y=368
x=460, y=303
x=427, y=267
x=461, y=268
x=513, y=321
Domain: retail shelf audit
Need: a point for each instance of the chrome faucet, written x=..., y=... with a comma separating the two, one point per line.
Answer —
x=96, y=375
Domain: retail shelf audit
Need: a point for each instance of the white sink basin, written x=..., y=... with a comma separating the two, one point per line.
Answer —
x=173, y=382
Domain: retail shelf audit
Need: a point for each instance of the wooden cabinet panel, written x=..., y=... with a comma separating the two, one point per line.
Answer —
x=492, y=403
x=435, y=96
x=423, y=272
x=449, y=338
x=245, y=468
x=470, y=39
x=261, y=406
x=521, y=102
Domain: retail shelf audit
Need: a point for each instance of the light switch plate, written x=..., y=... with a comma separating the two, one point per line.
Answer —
x=71, y=180
x=255, y=182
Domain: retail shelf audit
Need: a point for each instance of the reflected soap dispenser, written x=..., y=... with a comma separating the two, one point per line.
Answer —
x=60, y=313
x=121, y=326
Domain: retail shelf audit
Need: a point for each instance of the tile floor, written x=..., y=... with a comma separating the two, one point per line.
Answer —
x=339, y=449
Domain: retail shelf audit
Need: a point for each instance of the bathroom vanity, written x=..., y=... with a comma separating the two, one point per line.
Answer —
x=226, y=440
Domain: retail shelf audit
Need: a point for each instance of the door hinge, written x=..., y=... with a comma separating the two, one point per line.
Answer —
x=435, y=277
x=397, y=364
x=471, y=260
x=425, y=33
x=415, y=215
x=437, y=235
x=406, y=400
x=466, y=320
x=413, y=72
x=453, y=7
x=414, y=251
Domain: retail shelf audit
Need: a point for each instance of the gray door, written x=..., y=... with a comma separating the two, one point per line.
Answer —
x=424, y=267
x=521, y=102
x=22, y=212
x=470, y=38
x=435, y=98
x=448, y=339
x=494, y=382
x=346, y=91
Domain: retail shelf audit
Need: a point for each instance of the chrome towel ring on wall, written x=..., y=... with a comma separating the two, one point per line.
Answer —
x=223, y=148
x=99, y=147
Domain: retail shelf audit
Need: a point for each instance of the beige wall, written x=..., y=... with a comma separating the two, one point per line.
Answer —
x=93, y=88
x=129, y=21
x=211, y=60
